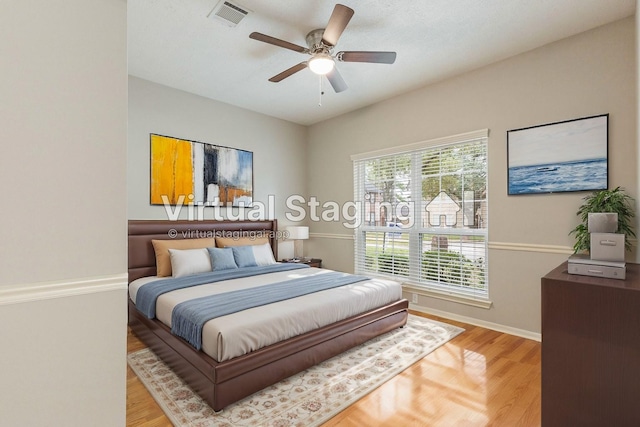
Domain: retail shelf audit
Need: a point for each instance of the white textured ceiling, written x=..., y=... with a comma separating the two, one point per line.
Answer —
x=172, y=42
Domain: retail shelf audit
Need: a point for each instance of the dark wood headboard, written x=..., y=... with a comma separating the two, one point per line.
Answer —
x=142, y=258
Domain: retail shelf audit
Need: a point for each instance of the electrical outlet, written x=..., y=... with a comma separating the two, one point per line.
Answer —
x=414, y=298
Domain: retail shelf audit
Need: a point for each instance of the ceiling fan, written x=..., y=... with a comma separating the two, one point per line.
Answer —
x=321, y=43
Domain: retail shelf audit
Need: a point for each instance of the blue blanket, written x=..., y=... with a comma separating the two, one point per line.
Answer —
x=189, y=317
x=149, y=293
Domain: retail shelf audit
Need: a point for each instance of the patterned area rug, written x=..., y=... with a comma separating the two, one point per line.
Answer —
x=308, y=398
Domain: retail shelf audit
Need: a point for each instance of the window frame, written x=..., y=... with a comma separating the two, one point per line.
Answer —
x=413, y=281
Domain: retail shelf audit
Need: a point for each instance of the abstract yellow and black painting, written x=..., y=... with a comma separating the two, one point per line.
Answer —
x=191, y=172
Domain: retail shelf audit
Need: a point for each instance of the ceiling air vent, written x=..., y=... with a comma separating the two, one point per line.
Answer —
x=228, y=13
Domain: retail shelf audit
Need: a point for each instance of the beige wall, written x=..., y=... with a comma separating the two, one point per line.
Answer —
x=279, y=147
x=589, y=74
x=63, y=101
x=63, y=124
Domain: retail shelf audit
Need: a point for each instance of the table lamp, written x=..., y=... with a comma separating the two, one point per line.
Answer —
x=298, y=234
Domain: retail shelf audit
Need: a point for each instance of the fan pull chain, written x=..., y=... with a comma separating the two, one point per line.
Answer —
x=321, y=92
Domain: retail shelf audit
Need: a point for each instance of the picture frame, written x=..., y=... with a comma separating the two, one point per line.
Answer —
x=559, y=157
x=185, y=172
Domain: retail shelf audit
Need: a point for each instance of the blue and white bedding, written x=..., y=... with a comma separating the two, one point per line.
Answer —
x=146, y=297
x=238, y=333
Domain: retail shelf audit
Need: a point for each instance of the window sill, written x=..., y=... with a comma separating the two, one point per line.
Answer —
x=448, y=296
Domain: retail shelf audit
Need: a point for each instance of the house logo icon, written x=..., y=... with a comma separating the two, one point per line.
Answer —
x=443, y=211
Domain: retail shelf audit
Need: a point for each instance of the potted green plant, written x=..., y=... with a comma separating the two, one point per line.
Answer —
x=615, y=200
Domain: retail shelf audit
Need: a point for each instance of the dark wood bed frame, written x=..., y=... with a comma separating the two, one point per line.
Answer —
x=223, y=383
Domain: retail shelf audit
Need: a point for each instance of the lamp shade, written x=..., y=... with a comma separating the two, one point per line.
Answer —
x=298, y=232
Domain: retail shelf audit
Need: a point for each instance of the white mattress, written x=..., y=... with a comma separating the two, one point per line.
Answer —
x=236, y=334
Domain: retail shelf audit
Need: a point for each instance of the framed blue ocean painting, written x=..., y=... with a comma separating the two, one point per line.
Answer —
x=559, y=157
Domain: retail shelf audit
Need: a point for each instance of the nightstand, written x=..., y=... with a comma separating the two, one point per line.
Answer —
x=311, y=262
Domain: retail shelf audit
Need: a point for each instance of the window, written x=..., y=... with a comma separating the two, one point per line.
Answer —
x=423, y=216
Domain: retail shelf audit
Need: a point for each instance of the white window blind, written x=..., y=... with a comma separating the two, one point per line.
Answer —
x=424, y=214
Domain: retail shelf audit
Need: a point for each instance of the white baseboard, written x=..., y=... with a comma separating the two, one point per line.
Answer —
x=477, y=322
x=15, y=294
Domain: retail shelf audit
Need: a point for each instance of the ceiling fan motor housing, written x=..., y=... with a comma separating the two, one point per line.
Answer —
x=314, y=41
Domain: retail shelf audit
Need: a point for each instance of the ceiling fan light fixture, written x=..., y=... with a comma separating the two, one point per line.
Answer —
x=321, y=64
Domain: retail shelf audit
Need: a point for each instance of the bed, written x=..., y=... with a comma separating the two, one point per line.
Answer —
x=233, y=377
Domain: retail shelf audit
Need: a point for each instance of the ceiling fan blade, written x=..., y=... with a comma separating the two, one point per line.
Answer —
x=359, y=56
x=288, y=72
x=336, y=80
x=337, y=23
x=277, y=42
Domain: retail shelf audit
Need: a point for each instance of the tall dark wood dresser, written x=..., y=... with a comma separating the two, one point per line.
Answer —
x=590, y=349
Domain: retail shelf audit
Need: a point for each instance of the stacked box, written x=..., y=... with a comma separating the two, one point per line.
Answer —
x=606, y=258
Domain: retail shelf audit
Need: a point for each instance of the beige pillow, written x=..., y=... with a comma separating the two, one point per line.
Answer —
x=163, y=260
x=226, y=242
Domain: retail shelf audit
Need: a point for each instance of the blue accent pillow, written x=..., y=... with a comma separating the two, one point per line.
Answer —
x=222, y=258
x=243, y=256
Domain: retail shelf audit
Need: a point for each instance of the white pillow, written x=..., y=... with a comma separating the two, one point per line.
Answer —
x=185, y=262
x=263, y=254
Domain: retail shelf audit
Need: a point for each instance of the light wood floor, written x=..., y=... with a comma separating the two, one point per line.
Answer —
x=480, y=378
